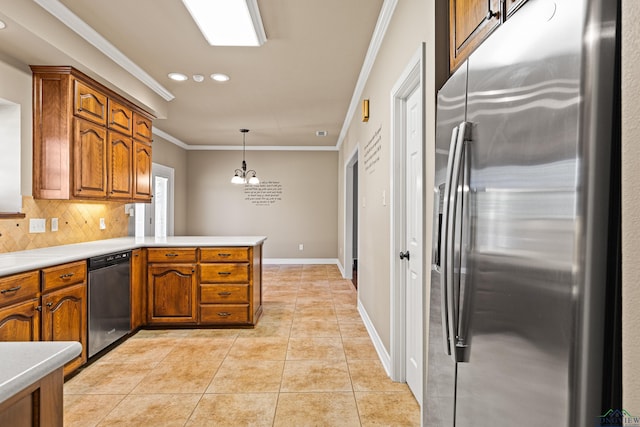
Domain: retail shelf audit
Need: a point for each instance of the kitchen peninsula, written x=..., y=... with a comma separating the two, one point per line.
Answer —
x=188, y=281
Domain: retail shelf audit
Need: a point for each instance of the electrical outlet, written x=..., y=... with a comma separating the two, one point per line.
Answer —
x=102, y=224
x=301, y=247
x=54, y=224
x=37, y=225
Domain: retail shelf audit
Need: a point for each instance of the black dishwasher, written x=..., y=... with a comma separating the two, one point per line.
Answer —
x=109, y=309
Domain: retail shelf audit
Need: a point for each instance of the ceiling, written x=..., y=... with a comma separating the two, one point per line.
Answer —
x=302, y=80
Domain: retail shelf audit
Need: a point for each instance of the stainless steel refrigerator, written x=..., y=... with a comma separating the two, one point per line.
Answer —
x=524, y=318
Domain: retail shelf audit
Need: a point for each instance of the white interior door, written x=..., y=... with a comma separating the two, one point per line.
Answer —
x=413, y=240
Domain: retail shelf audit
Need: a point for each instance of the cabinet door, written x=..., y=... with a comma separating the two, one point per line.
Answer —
x=142, y=129
x=172, y=293
x=120, y=166
x=120, y=118
x=138, y=289
x=20, y=322
x=64, y=318
x=142, y=163
x=470, y=22
x=90, y=160
x=89, y=103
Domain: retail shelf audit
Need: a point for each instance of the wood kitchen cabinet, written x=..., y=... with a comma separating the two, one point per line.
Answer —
x=20, y=307
x=227, y=281
x=171, y=285
x=470, y=22
x=142, y=178
x=83, y=140
x=120, y=166
x=138, y=288
x=64, y=307
x=90, y=160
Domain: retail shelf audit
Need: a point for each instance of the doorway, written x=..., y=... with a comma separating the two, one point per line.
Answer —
x=351, y=219
x=407, y=262
x=158, y=214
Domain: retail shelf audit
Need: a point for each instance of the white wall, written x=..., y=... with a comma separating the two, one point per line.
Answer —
x=303, y=208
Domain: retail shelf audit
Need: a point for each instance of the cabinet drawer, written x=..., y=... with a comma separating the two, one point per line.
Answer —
x=89, y=104
x=224, y=313
x=171, y=255
x=224, y=254
x=120, y=118
x=18, y=287
x=224, y=293
x=63, y=275
x=224, y=273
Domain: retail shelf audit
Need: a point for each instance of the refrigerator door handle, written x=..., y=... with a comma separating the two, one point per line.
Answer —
x=453, y=285
x=444, y=244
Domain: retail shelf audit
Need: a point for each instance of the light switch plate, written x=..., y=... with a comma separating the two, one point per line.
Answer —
x=102, y=224
x=37, y=225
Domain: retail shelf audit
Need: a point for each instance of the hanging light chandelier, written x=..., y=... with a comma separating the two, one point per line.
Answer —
x=242, y=175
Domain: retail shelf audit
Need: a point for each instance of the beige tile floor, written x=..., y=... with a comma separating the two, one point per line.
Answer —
x=308, y=362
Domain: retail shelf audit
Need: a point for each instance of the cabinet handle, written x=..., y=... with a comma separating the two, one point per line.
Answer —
x=224, y=314
x=224, y=255
x=66, y=276
x=171, y=255
x=13, y=289
x=224, y=294
x=224, y=273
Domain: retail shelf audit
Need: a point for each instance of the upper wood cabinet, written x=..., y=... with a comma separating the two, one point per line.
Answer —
x=470, y=22
x=120, y=166
x=83, y=140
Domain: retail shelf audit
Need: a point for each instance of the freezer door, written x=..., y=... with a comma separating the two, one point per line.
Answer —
x=439, y=402
x=523, y=159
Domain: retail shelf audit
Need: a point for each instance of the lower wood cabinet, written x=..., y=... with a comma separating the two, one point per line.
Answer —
x=21, y=322
x=64, y=307
x=39, y=405
x=138, y=288
x=172, y=293
x=64, y=318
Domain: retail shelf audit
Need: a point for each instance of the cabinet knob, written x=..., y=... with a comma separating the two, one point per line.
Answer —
x=49, y=304
x=492, y=14
x=38, y=308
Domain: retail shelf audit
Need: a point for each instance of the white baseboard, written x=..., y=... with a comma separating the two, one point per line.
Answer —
x=341, y=268
x=384, y=356
x=300, y=261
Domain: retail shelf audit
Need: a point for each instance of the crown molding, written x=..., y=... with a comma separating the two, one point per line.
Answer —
x=190, y=147
x=71, y=20
x=384, y=19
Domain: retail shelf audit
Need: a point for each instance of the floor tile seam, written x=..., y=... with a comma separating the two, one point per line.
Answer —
x=112, y=409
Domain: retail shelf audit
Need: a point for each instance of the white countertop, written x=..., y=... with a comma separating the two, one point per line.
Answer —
x=33, y=259
x=24, y=363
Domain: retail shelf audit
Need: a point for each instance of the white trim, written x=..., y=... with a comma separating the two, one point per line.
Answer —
x=64, y=15
x=384, y=19
x=189, y=147
x=375, y=339
x=412, y=78
x=294, y=261
x=167, y=171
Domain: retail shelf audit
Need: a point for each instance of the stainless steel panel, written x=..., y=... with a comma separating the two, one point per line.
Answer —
x=524, y=99
x=109, y=308
x=441, y=369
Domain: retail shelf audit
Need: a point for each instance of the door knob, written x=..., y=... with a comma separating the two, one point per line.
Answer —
x=404, y=255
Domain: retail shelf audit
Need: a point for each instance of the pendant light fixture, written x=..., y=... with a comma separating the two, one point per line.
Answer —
x=241, y=174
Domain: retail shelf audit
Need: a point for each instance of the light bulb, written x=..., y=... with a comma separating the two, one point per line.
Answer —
x=254, y=180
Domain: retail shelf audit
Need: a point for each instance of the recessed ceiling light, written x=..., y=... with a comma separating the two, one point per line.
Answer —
x=321, y=133
x=198, y=78
x=228, y=22
x=179, y=77
x=219, y=77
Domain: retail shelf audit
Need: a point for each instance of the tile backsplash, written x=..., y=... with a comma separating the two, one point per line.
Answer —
x=77, y=222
